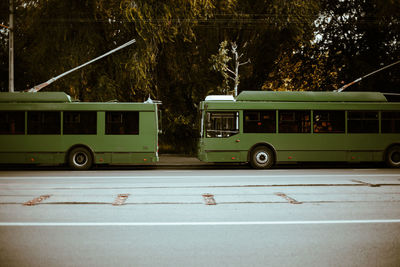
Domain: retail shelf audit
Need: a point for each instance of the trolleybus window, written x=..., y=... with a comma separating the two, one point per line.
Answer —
x=329, y=121
x=80, y=122
x=294, y=121
x=44, y=122
x=122, y=122
x=390, y=122
x=222, y=124
x=363, y=122
x=12, y=122
x=259, y=121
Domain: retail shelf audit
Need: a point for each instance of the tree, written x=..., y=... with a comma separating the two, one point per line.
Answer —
x=4, y=20
x=352, y=38
x=220, y=63
x=54, y=36
x=293, y=45
x=303, y=70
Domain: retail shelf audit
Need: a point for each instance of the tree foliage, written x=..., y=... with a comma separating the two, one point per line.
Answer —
x=303, y=69
x=292, y=45
x=352, y=38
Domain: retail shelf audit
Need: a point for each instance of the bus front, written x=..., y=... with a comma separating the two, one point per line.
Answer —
x=219, y=130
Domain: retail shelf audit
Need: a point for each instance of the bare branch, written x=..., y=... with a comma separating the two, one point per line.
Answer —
x=234, y=45
x=231, y=71
x=244, y=63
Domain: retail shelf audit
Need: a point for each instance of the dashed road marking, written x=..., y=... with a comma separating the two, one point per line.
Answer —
x=209, y=199
x=36, y=200
x=179, y=171
x=120, y=200
x=289, y=199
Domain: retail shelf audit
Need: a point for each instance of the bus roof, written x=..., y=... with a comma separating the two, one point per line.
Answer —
x=296, y=96
x=42, y=97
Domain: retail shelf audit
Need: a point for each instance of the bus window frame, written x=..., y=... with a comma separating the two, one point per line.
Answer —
x=363, y=119
x=110, y=124
x=230, y=133
x=392, y=120
x=325, y=129
x=14, y=123
x=261, y=121
x=307, y=112
x=65, y=123
x=32, y=129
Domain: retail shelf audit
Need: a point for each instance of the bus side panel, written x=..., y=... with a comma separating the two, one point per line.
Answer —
x=127, y=149
x=300, y=147
x=331, y=147
x=321, y=147
x=52, y=149
x=46, y=149
x=35, y=158
x=370, y=147
x=225, y=156
x=222, y=149
x=298, y=156
x=311, y=147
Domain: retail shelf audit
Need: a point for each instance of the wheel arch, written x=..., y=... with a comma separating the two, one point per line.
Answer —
x=388, y=148
x=260, y=144
x=76, y=146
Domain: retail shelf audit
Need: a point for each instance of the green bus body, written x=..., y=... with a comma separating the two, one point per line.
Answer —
x=348, y=141
x=29, y=144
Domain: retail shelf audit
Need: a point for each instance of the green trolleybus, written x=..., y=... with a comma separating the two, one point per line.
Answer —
x=49, y=128
x=265, y=128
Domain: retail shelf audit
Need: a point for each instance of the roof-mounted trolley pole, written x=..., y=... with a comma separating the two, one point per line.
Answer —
x=42, y=85
x=365, y=76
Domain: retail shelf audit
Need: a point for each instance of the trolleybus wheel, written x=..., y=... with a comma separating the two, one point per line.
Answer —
x=80, y=159
x=262, y=158
x=393, y=157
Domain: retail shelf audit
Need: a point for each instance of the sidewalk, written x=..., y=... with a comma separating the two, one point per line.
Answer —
x=177, y=159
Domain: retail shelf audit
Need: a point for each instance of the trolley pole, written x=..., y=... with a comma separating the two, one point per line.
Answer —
x=37, y=88
x=365, y=76
x=11, y=49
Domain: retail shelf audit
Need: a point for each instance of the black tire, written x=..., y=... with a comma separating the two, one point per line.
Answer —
x=392, y=157
x=262, y=158
x=80, y=158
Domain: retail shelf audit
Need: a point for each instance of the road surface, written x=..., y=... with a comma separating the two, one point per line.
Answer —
x=195, y=217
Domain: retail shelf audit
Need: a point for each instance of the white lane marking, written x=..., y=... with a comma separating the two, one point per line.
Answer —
x=198, y=176
x=43, y=224
x=178, y=171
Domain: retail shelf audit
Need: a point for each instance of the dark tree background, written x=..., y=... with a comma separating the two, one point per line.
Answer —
x=292, y=45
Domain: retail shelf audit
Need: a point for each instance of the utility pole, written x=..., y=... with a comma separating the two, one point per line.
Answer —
x=11, y=49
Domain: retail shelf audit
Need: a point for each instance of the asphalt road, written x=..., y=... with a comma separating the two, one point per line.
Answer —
x=194, y=217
